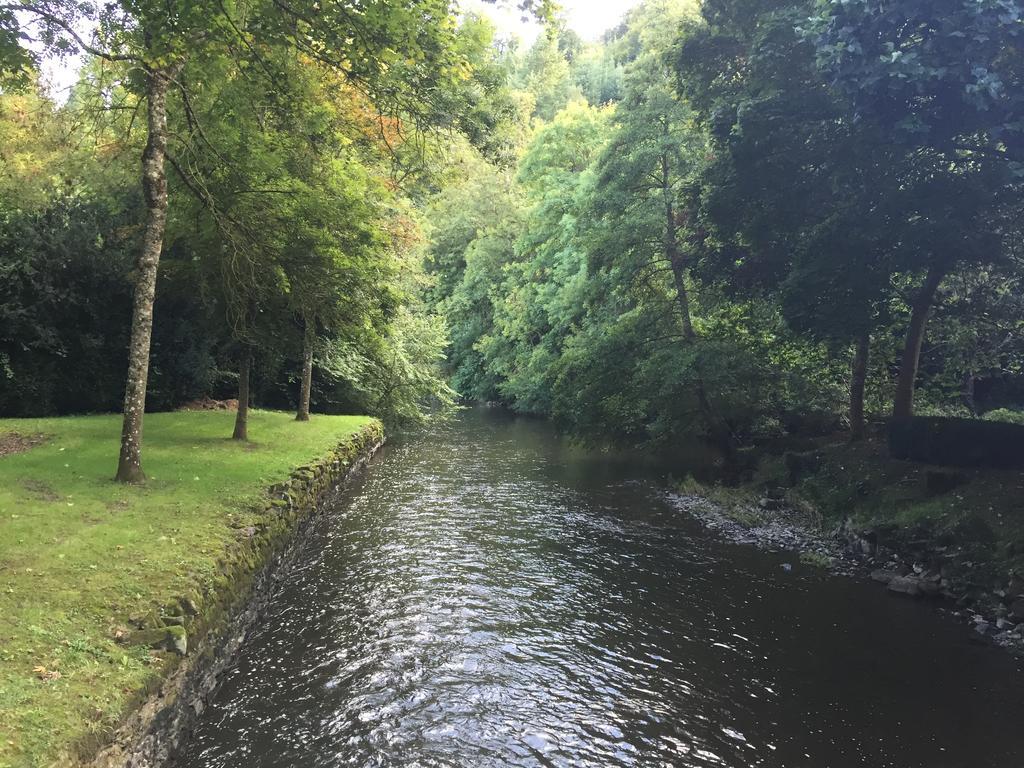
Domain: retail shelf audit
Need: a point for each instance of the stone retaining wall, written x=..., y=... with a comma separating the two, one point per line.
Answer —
x=203, y=631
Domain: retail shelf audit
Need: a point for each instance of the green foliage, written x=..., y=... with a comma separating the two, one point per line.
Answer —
x=853, y=156
x=546, y=75
x=397, y=375
x=474, y=229
x=283, y=215
x=597, y=75
x=976, y=335
x=494, y=115
x=291, y=127
x=945, y=74
x=563, y=291
x=683, y=230
x=1006, y=415
x=62, y=286
x=539, y=301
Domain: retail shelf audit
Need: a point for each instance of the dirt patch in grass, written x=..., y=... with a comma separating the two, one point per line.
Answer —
x=209, y=404
x=40, y=490
x=13, y=442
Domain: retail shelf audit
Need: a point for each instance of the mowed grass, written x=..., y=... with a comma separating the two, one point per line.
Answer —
x=80, y=554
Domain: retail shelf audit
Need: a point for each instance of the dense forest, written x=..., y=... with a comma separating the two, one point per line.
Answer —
x=750, y=220
x=737, y=220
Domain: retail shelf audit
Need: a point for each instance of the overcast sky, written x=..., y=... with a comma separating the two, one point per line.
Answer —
x=590, y=18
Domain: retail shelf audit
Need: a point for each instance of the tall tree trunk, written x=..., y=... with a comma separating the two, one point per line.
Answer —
x=903, y=402
x=858, y=379
x=717, y=427
x=967, y=392
x=307, y=372
x=682, y=294
x=154, y=187
x=242, y=415
x=674, y=255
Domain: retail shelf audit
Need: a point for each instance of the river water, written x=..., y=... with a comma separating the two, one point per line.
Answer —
x=487, y=595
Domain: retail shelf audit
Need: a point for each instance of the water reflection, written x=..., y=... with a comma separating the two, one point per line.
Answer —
x=489, y=596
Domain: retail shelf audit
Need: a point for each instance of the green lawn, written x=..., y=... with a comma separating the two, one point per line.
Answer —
x=81, y=554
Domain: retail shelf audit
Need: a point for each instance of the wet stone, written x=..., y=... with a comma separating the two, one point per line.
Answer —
x=1017, y=610
x=884, y=576
x=171, y=638
x=905, y=585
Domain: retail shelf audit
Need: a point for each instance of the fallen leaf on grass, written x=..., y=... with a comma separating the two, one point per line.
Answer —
x=46, y=674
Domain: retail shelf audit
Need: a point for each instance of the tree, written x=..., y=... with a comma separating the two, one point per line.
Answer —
x=537, y=299
x=811, y=202
x=598, y=75
x=977, y=336
x=944, y=82
x=388, y=358
x=336, y=272
x=650, y=158
x=545, y=74
x=645, y=225
x=783, y=206
x=61, y=292
x=392, y=50
x=473, y=229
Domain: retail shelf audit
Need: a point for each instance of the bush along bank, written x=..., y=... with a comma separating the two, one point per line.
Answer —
x=955, y=536
x=165, y=580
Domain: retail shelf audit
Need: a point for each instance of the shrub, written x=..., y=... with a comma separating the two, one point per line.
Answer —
x=1006, y=415
x=65, y=300
x=65, y=309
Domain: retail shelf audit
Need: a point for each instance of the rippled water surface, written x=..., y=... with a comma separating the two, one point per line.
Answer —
x=488, y=596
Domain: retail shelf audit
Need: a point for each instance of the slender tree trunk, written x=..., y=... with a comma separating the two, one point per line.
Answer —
x=675, y=256
x=154, y=187
x=967, y=392
x=307, y=373
x=718, y=429
x=682, y=295
x=720, y=432
x=858, y=379
x=903, y=402
x=242, y=415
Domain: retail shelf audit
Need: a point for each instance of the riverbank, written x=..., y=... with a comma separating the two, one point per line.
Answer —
x=105, y=588
x=921, y=531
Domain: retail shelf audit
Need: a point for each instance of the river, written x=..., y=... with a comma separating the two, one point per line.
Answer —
x=488, y=595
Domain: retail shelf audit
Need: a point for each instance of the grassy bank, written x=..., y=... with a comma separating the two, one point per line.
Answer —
x=81, y=557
